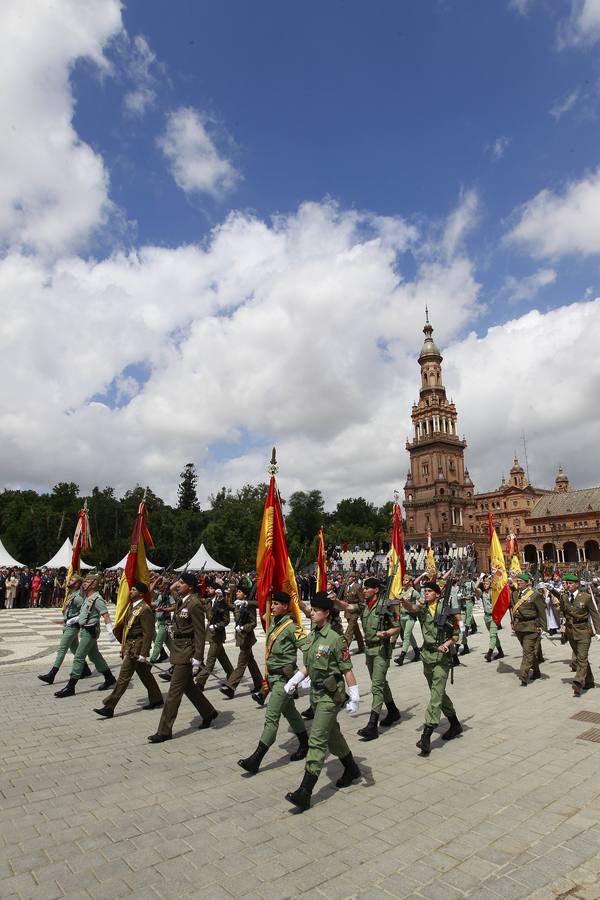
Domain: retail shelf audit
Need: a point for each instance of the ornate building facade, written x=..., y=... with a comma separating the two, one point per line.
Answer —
x=552, y=525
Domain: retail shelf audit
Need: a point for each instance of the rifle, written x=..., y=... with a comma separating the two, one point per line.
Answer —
x=445, y=611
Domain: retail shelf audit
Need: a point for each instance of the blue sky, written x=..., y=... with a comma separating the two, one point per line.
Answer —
x=242, y=203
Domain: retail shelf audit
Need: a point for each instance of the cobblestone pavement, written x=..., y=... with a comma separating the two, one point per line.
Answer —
x=90, y=809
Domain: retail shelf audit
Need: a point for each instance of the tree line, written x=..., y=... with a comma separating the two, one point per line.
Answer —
x=33, y=526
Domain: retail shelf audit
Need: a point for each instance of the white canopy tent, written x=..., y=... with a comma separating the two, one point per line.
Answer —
x=63, y=558
x=7, y=560
x=202, y=560
x=121, y=565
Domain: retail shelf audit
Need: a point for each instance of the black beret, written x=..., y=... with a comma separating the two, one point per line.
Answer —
x=432, y=586
x=189, y=578
x=140, y=586
x=243, y=587
x=282, y=597
x=322, y=601
x=372, y=582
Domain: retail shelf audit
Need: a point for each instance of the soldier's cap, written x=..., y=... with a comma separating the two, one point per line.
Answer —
x=210, y=583
x=322, y=601
x=75, y=577
x=372, y=582
x=524, y=576
x=91, y=576
x=190, y=579
x=571, y=576
x=432, y=586
x=282, y=597
x=243, y=587
x=140, y=586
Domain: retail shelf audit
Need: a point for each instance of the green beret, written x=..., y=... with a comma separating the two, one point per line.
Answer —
x=524, y=576
x=571, y=576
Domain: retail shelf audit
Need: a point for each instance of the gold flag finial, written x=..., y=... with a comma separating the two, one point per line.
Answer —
x=273, y=468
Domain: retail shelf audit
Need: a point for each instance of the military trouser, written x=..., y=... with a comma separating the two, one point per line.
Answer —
x=245, y=661
x=161, y=637
x=378, y=666
x=353, y=631
x=493, y=630
x=88, y=646
x=69, y=640
x=128, y=667
x=528, y=641
x=325, y=733
x=439, y=701
x=468, y=618
x=581, y=646
x=408, y=623
x=280, y=704
x=216, y=651
x=182, y=682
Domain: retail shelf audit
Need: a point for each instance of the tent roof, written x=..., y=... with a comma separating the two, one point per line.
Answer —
x=63, y=558
x=7, y=560
x=121, y=565
x=202, y=560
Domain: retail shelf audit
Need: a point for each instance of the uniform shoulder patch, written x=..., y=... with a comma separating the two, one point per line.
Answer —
x=300, y=634
x=345, y=653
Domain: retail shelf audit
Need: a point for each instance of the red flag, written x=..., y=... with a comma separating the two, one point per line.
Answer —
x=136, y=567
x=321, y=563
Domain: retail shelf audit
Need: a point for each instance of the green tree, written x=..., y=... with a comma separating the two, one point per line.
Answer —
x=186, y=492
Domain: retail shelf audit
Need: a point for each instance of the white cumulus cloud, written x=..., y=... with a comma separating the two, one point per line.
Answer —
x=195, y=162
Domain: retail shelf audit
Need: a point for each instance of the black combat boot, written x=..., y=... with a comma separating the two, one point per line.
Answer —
x=302, y=750
x=308, y=713
x=105, y=711
x=464, y=649
x=69, y=688
x=473, y=627
x=454, y=730
x=400, y=659
x=370, y=731
x=576, y=689
x=499, y=652
x=393, y=715
x=162, y=655
x=258, y=697
x=424, y=742
x=488, y=656
x=417, y=655
x=228, y=691
x=252, y=763
x=109, y=681
x=351, y=772
x=301, y=797
x=86, y=671
x=49, y=676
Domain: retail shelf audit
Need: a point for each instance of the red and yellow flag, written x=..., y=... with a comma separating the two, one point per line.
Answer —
x=321, y=563
x=430, y=565
x=512, y=546
x=136, y=567
x=82, y=541
x=515, y=565
x=397, y=561
x=500, y=587
x=274, y=570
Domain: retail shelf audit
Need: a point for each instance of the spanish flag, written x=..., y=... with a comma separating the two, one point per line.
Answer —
x=136, y=567
x=82, y=541
x=274, y=570
x=500, y=587
x=515, y=565
x=429, y=557
x=321, y=563
x=397, y=566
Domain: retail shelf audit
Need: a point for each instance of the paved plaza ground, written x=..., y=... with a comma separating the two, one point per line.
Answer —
x=90, y=809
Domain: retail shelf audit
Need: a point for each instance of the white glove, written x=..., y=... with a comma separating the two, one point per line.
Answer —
x=72, y=621
x=110, y=633
x=598, y=637
x=211, y=627
x=354, y=701
x=238, y=628
x=196, y=666
x=240, y=603
x=294, y=681
x=461, y=626
x=142, y=659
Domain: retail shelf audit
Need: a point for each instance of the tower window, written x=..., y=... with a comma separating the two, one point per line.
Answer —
x=425, y=469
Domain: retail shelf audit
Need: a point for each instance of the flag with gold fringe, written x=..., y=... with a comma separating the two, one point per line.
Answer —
x=500, y=587
x=515, y=565
x=321, y=572
x=397, y=565
x=82, y=541
x=274, y=570
x=430, y=565
x=136, y=567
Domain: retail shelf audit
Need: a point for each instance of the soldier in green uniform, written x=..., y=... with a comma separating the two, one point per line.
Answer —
x=92, y=610
x=378, y=654
x=466, y=593
x=483, y=591
x=528, y=615
x=577, y=608
x=353, y=594
x=69, y=639
x=328, y=664
x=284, y=638
x=187, y=643
x=244, y=614
x=163, y=607
x=217, y=614
x=408, y=622
x=439, y=644
x=135, y=650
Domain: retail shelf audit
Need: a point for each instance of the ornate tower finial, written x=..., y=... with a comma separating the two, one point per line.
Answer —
x=426, y=315
x=273, y=468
